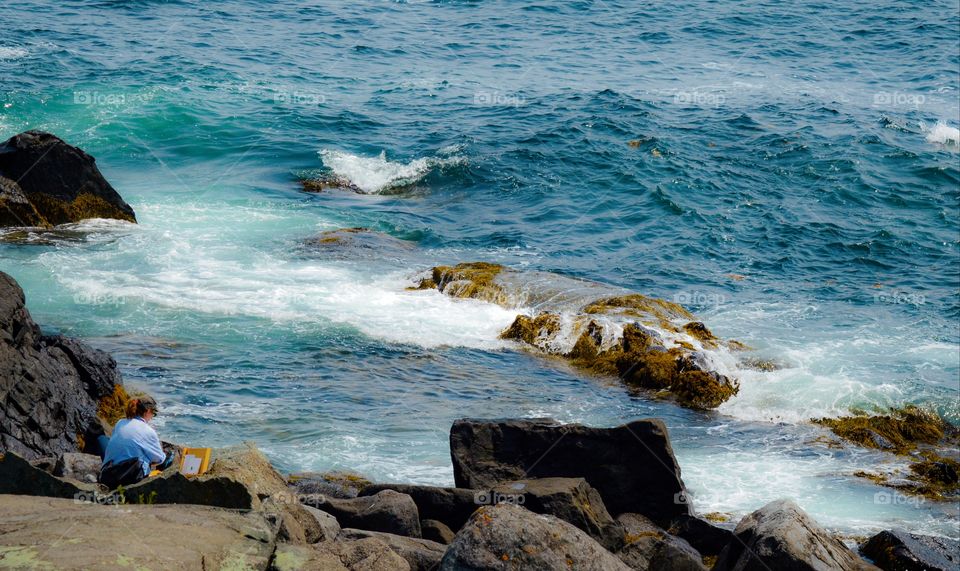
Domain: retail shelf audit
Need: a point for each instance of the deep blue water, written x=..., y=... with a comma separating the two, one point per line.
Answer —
x=794, y=181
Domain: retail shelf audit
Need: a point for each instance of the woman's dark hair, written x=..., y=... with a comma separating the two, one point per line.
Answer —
x=138, y=406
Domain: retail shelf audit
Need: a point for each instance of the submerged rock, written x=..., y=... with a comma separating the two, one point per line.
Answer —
x=782, y=536
x=899, y=550
x=66, y=534
x=53, y=385
x=631, y=466
x=61, y=183
x=324, y=184
x=506, y=537
x=354, y=243
x=649, y=343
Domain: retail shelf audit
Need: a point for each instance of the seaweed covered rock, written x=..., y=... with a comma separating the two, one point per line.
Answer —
x=506, y=536
x=476, y=280
x=650, y=343
x=52, y=386
x=631, y=466
x=61, y=182
x=782, y=536
x=899, y=550
x=929, y=440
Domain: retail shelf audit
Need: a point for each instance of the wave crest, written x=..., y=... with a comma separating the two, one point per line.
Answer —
x=374, y=175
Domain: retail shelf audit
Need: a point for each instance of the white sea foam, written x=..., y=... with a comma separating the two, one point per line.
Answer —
x=9, y=53
x=176, y=261
x=943, y=134
x=377, y=174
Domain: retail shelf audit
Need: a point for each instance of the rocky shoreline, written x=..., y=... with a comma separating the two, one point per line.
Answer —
x=527, y=494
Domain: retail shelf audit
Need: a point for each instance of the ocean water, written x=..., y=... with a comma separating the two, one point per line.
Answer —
x=793, y=181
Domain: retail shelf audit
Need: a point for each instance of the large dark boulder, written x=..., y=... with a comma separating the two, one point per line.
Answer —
x=386, y=511
x=61, y=182
x=782, y=536
x=647, y=546
x=50, y=386
x=570, y=499
x=632, y=466
x=452, y=506
x=506, y=537
x=899, y=550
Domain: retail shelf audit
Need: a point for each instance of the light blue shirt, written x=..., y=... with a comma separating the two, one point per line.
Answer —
x=134, y=438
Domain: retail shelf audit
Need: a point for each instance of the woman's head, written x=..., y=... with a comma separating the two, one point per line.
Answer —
x=142, y=406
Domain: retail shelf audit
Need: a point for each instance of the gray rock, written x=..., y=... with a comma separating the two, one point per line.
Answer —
x=78, y=466
x=506, y=537
x=632, y=466
x=65, y=534
x=647, y=546
x=17, y=476
x=899, y=550
x=452, y=506
x=386, y=511
x=369, y=554
x=436, y=531
x=702, y=535
x=420, y=554
x=329, y=526
x=570, y=499
x=51, y=384
x=62, y=182
x=782, y=536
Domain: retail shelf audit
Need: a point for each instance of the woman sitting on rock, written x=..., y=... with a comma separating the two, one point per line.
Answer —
x=134, y=446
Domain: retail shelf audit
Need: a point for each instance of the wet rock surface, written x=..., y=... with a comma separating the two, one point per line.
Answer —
x=51, y=386
x=61, y=183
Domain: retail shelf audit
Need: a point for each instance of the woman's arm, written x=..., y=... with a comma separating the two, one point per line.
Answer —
x=152, y=446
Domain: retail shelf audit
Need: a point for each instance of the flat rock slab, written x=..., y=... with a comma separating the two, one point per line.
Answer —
x=51, y=533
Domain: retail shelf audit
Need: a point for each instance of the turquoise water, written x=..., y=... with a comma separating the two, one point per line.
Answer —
x=795, y=183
